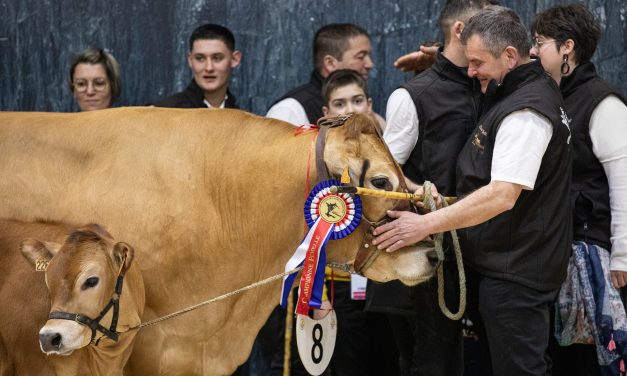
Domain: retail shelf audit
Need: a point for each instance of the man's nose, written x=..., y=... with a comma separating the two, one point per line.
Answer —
x=368, y=63
x=472, y=72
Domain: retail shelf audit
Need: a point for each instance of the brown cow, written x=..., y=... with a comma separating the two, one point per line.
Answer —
x=213, y=201
x=87, y=254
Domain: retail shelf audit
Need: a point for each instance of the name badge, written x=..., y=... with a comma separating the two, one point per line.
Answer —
x=358, y=287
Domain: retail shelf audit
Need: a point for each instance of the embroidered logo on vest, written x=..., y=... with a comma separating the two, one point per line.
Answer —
x=478, y=139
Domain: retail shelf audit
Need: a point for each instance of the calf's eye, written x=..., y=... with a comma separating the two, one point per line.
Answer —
x=89, y=283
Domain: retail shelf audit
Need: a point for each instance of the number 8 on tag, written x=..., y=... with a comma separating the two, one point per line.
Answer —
x=316, y=341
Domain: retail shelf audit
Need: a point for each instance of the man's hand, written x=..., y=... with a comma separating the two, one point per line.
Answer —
x=418, y=60
x=408, y=228
x=619, y=278
x=434, y=193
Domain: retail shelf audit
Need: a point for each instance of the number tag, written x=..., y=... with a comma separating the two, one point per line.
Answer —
x=41, y=265
x=316, y=341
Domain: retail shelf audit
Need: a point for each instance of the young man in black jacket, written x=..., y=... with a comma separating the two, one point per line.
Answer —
x=212, y=57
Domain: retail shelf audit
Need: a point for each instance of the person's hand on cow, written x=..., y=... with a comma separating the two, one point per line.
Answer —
x=407, y=228
x=417, y=60
x=619, y=278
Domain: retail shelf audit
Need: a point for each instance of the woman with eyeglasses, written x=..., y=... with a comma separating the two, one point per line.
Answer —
x=95, y=79
x=565, y=38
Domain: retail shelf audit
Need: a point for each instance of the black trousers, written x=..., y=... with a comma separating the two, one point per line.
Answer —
x=513, y=324
x=438, y=345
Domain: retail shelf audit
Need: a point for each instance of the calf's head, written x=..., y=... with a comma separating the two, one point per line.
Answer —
x=81, y=278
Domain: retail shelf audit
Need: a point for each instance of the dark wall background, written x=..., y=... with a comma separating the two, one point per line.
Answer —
x=38, y=39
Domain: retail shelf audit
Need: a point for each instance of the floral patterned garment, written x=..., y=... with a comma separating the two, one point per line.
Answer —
x=589, y=309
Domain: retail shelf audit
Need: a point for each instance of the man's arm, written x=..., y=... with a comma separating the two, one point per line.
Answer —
x=401, y=131
x=520, y=144
x=481, y=205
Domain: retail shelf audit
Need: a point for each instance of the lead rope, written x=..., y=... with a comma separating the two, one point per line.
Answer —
x=217, y=298
x=430, y=203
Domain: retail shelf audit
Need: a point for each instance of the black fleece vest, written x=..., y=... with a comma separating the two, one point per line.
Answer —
x=309, y=96
x=448, y=109
x=531, y=243
x=193, y=97
x=583, y=90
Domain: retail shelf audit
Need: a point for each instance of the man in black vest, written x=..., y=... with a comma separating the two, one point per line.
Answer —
x=429, y=119
x=212, y=57
x=514, y=176
x=335, y=46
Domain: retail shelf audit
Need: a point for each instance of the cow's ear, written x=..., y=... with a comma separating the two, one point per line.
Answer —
x=123, y=255
x=38, y=253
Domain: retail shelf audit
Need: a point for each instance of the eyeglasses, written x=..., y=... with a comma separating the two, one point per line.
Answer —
x=539, y=43
x=99, y=84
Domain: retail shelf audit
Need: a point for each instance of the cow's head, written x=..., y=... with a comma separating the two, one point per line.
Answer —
x=357, y=144
x=81, y=277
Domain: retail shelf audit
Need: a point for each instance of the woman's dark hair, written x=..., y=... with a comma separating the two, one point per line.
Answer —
x=572, y=21
x=99, y=56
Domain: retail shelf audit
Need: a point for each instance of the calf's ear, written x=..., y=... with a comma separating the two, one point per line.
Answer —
x=38, y=253
x=123, y=255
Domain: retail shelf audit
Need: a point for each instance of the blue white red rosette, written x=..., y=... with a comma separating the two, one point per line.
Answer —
x=329, y=216
x=351, y=220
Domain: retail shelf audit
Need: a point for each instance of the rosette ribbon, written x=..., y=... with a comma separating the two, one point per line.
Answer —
x=329, y=216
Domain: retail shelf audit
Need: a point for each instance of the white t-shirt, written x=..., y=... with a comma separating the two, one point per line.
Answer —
x=521, y=140
x=290, y=110
x=401, y=131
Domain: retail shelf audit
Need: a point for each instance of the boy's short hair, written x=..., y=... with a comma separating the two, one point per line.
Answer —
x=341, y=78
x=332, y=40
x=213, y=31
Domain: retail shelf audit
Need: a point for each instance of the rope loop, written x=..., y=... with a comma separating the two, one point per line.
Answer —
x=429, y=203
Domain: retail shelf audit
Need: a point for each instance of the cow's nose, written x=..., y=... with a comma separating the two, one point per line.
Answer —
x=50, y=341
x=433, y=258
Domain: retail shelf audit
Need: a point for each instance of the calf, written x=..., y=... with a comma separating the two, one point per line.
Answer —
x=81, y=275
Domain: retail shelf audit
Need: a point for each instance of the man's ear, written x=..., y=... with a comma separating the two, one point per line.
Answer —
x=189, y=60
x=369, y=104
x=511, y=53
x=38, y=253
x=329, y=64
x=457, y=28
x=325, y=110
x=236, y=58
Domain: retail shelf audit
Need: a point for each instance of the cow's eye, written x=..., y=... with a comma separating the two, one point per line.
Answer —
x=89, y=283
x=381, y=183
